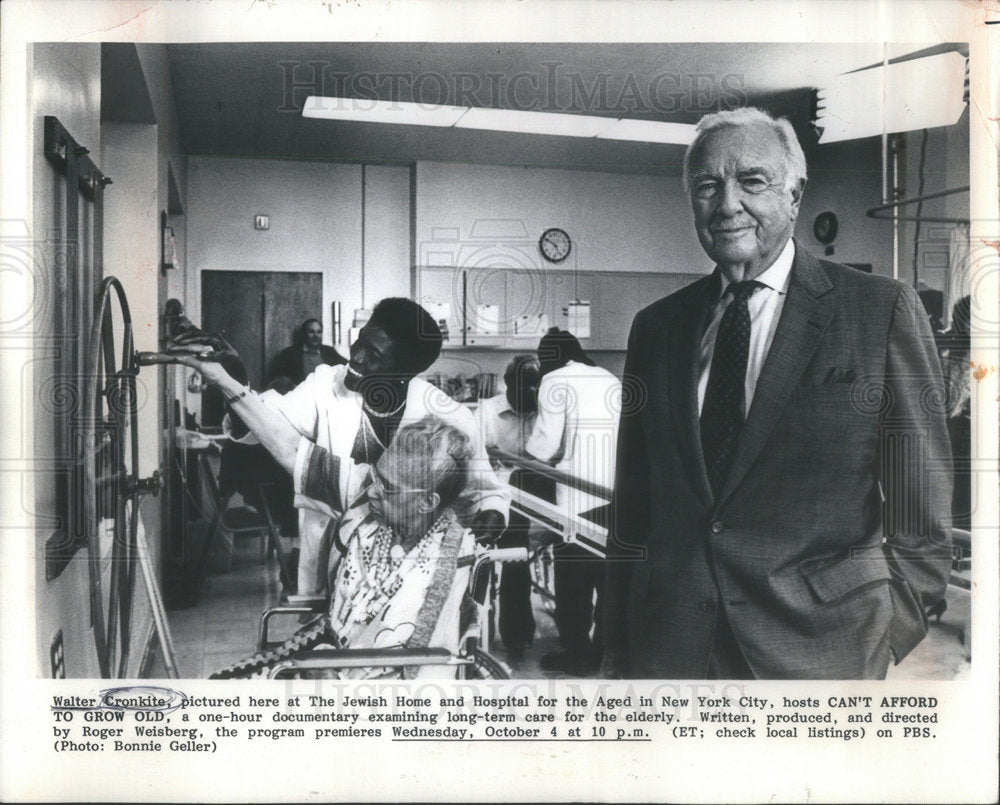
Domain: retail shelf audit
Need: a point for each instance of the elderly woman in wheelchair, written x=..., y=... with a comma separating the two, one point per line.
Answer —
x=395, y=575
x=398, y=568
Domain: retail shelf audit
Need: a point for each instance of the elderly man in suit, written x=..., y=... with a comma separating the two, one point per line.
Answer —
x=782, y=494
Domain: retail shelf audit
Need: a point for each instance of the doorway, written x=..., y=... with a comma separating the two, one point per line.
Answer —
x=259, y=312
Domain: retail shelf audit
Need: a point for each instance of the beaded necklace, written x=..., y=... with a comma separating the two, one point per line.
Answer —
x=383, y=568
x=382, y=415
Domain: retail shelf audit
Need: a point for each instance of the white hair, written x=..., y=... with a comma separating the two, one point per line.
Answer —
x=795, y=160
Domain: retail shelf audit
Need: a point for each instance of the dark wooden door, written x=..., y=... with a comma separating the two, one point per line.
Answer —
x=259, y=311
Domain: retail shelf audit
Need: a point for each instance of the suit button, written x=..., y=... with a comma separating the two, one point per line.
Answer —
x=706, y=606
x=717, y=527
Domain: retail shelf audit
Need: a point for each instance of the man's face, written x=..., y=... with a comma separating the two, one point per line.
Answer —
x=312, y=335
x=743, y=212
x=373, y=356
x=522, y=390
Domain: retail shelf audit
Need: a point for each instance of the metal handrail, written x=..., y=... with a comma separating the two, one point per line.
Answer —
x=875, y=212
x=547, y=471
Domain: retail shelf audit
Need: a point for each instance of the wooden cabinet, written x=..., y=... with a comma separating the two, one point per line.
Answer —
x=508, y=308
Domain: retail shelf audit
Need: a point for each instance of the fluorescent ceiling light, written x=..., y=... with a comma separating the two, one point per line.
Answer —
x=510, y=120
x=649, y=131
x=906, y=96
x=520, y=122
x=366, y=110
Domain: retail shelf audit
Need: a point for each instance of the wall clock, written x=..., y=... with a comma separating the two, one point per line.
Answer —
x=555, y=245
x=825, y=227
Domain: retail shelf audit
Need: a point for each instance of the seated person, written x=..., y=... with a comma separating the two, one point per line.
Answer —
x=293, y=364
x=394, y=575
x=505, y=422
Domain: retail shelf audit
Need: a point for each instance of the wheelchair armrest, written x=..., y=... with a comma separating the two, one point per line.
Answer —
x=317, y=602
x=309, y=606
x=482, y=564
x=327, y=659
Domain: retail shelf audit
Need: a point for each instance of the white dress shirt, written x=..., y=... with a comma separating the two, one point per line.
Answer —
x=501, y=426
x=577, y=429
x=765, y=305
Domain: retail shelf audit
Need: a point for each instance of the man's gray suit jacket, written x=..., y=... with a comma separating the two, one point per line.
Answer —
x=832, y=533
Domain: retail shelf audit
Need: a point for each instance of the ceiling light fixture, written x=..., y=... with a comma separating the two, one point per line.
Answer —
x=919, y=94
x=367, y=110
x=487, y=119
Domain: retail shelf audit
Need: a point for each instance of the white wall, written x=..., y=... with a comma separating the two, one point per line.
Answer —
x=616, y=222
x=387, y=233
x=946, y=165
x=315, y=215
x=64, y=81
x=846, y=179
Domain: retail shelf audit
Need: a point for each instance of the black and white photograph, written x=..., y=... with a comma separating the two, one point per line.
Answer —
x=385, y=376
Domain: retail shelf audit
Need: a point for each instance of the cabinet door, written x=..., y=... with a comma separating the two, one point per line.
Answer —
x=439, y=290
x=486, y=319
x=528, y=313
x=621, y=296
x=564, y=287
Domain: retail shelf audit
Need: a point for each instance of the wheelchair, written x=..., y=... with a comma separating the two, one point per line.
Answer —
x=472, y=660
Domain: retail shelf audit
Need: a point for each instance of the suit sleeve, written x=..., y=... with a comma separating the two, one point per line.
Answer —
x=915, y=473
x=629, y=504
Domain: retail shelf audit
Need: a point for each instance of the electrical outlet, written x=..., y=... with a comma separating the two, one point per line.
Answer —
x=58, y=657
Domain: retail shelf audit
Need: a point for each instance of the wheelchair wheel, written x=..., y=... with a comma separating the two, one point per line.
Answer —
x=486, y=666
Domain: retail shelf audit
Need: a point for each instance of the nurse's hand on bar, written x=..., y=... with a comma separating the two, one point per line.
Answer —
x=487, y=526
x=209, y=353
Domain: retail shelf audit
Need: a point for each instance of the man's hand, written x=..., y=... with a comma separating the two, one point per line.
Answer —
x=487, y=526
x=612, y=666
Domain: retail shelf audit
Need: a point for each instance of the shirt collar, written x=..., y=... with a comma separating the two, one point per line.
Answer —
x=776, y=276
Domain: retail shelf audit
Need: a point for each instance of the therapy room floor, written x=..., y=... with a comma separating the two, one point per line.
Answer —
x=222, y=628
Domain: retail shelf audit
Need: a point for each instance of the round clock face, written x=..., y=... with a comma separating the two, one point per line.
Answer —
x=555, y=245
x=825, y=227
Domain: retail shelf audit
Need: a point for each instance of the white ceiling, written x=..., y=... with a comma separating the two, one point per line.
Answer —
x=244, y=99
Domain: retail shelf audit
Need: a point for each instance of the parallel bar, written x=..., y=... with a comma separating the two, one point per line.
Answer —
x=571, y=528
x=903, y=202
x=545, y=470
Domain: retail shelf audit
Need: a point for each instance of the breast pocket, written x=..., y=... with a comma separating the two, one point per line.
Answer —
x=828, y=430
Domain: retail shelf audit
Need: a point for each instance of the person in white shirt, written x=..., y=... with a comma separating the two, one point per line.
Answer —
x=579, y=405
x=505, y=422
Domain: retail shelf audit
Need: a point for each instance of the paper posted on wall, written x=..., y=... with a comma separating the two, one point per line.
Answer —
x=578, y=313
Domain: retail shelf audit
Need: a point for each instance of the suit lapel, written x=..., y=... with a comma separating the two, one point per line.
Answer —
x=804, y=319
x=681, y=376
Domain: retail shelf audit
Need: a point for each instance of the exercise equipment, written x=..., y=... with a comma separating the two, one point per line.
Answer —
x=109, y=435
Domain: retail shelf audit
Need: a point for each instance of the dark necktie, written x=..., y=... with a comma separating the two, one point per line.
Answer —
x=722, y=409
